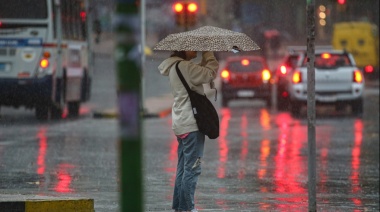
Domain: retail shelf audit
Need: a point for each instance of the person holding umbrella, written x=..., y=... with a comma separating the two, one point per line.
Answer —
x=190, y=140
x=185, y=45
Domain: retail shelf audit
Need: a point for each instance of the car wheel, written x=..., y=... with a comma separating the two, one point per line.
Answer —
x=295, y=108
x=56, y=112
x=57, y=108
x=357, y=107
x=73, y=108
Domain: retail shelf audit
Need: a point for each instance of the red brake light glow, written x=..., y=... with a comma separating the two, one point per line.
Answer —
x=326, y=55
x=44, y=63
x=297, y=77
x=368, y=69
x=225, y=74
x=245, y=62
x=266, y=75
x=358, y=77
x=283, y=69
x=284, y=94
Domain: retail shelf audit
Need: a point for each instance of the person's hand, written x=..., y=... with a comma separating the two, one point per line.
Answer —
x=203, y=53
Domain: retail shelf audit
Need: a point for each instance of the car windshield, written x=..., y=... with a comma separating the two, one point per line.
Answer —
x=245, y=66
x=327, y=60
x=23, y=9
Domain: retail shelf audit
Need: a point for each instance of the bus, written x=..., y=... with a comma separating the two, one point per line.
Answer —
x=361, y=39
x=44, y=60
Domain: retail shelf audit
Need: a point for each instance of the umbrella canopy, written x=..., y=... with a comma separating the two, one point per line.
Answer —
x=207, y=38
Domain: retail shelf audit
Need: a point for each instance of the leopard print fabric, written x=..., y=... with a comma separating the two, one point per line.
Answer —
x=207, y=38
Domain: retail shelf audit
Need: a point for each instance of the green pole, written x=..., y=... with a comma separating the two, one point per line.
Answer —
x=126, y=29
x=311, y=105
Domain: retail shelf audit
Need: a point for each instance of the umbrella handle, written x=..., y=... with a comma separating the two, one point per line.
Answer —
x=235, y=49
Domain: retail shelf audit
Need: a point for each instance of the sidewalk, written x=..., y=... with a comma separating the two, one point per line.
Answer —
x=36, y=203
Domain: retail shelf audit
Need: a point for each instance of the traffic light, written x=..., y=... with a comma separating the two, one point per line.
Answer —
x=341, y=2
x=83, y=15
x=342, y=6
x=185, y=13
x=322, y=15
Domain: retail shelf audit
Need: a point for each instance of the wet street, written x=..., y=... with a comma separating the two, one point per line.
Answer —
x=259, y=162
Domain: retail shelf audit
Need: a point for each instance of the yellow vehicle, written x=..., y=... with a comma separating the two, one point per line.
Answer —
x=361, y=39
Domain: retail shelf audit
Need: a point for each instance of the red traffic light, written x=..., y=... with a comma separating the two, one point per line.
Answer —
x=192, y=7
x=185, y=13
x=178, y=7
x=83, y=15
x=341, y=1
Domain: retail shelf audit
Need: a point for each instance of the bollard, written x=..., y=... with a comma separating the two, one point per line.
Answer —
x=128, y=78
x=311, y=105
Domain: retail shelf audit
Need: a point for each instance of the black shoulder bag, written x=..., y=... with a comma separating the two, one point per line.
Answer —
x=204, y=112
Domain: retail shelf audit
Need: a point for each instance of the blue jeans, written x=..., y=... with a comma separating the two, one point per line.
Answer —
x=190, y=151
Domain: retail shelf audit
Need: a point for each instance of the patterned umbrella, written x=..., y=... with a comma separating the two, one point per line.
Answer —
x=207, y=38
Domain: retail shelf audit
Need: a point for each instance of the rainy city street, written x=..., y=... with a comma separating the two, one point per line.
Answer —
x=259, y=162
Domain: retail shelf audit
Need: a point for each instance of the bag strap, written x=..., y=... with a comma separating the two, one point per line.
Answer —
x=182, y=78
x=184, y=81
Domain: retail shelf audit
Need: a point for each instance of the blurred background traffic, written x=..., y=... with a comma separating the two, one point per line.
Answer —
x=277, y=20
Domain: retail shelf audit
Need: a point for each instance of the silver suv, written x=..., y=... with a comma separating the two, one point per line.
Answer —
x=337, y=81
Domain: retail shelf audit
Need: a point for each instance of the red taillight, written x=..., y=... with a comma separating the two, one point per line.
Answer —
x=297, y=77
x=245, y=62
x=283, y=69
x=284, y=94
x=44, y=63
x=266, y=75
x=368, y=69
x=225, y=74
x=326, y=55
x=357, y=76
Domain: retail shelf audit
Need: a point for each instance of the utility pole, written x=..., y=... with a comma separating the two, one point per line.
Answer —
x=89, y=16
x=127, y=23
x=311, y=105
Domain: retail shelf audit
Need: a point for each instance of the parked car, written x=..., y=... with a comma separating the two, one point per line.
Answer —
x=245, y=77
x=282, y=72
x=338, y=81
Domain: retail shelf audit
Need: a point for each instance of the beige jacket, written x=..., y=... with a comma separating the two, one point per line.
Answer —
x=196, y=75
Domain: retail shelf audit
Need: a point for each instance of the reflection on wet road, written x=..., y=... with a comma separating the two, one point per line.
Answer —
x=259, y=162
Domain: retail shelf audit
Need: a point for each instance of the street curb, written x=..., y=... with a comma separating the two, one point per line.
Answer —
x=110, y=115
x=43, y=205
x=105, y=114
